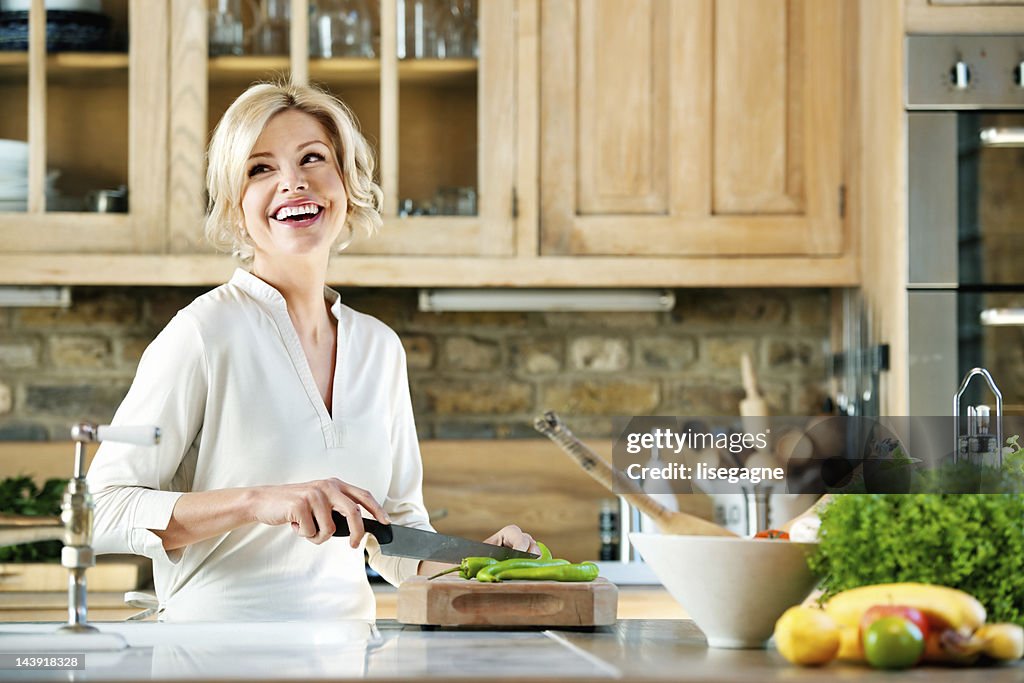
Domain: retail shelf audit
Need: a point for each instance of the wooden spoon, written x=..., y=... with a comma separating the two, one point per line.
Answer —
x=668, y=521
x=754, y=404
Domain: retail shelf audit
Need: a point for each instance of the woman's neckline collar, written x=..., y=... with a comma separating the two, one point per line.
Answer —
x=264, y=291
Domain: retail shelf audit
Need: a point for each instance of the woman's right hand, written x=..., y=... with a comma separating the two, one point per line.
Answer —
x=307, y=507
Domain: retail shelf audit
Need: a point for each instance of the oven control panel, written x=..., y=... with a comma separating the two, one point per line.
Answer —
x=965, y=72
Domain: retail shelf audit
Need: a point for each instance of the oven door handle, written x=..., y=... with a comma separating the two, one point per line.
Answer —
x=1002, y=137
x=1003, y=317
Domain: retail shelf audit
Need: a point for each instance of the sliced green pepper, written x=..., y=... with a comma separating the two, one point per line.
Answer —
x=545, y=554
x=489, y=573
x=585, y=571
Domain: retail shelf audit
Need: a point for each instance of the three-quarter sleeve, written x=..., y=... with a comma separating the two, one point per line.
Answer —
x=134, y=487
x=404, y=502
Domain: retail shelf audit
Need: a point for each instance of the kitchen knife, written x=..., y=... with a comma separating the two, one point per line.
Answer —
x=403, y=541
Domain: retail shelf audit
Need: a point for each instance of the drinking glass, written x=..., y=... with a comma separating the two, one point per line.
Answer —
x=225, y=28
x=417, y=29
x=272, y=33
x=341, y=28
x=457, y=29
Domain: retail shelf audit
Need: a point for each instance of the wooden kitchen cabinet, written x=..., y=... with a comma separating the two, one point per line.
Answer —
x=608, y=143
x=92, y=121
x=436, y=125
x=711, y=128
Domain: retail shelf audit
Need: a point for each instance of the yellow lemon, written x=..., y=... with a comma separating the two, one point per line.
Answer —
x=807, y=636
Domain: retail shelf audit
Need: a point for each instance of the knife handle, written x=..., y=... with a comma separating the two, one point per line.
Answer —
x=382, y=532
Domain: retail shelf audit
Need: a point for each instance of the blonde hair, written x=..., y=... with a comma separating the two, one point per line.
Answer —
x=233, y=141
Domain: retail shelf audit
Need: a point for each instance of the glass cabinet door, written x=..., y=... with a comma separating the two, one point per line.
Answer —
x=427, y=80
x=82, y=154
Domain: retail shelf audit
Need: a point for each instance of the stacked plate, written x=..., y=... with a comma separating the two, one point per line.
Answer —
x=13, y=175
x=14, y=178
x=71, y=25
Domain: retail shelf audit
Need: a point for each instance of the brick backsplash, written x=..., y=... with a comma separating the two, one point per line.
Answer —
x=472, y=375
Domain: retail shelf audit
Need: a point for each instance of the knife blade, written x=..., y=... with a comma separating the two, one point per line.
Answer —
x=404, y=541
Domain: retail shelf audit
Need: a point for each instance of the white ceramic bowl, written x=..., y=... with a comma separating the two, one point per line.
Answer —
x=734, y=589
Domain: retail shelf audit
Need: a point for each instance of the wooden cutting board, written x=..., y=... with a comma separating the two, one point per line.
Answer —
x=452, y=601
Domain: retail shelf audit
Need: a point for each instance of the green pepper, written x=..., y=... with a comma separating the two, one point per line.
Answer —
x=471, y=566
x=489, y=573
x=545, y=554
x=468, y=568
x=585, y=571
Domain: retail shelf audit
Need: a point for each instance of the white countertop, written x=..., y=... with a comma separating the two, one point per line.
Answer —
x=657, y=651
x=309, y=650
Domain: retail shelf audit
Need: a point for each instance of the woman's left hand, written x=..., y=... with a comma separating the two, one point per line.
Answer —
x=514, y=537
x=510, y=537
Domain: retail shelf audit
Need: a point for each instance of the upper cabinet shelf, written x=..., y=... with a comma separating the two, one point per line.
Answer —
x=344, y=70
x=65, y=67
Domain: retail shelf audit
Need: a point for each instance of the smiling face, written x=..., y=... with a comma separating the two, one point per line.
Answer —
x=294, y=202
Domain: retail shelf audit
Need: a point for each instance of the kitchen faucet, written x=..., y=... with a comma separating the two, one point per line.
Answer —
x=74, y=525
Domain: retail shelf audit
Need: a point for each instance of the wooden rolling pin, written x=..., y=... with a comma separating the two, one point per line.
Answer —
x=668, y=521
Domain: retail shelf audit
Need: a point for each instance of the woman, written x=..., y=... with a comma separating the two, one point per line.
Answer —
x=277, y=403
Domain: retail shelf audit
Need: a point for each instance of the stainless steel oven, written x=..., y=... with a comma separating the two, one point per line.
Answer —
x=965, y=298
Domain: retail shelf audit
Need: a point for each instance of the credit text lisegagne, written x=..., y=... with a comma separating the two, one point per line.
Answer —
x=703, y=471
x=669, y=440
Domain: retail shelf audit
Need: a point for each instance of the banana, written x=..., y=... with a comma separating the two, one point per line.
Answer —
x=951, y=647
x=1002, y=641
x=945, y=607
x=851, y=647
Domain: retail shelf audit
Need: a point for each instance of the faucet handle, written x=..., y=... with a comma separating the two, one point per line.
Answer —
x=140, y=435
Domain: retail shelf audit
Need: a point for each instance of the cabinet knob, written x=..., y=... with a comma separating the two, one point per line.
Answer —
x=960, y=75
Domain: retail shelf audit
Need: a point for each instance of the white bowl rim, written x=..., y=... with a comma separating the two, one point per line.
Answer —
x=721, y=539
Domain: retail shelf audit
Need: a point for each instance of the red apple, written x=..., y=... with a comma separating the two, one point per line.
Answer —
x=911, y=614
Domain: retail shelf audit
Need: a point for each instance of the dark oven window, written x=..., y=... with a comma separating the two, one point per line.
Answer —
x=990, y=201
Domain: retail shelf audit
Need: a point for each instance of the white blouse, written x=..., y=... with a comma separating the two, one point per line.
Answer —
x=229, y=386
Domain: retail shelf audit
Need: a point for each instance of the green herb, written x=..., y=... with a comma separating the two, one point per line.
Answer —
x=966, y=541
x=891, y=470
x=21, y=496
x=1013, y=456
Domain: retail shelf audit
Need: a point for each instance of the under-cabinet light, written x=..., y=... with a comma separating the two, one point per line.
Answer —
x=439, y=300
x=11, y=296
x=1003, y=317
